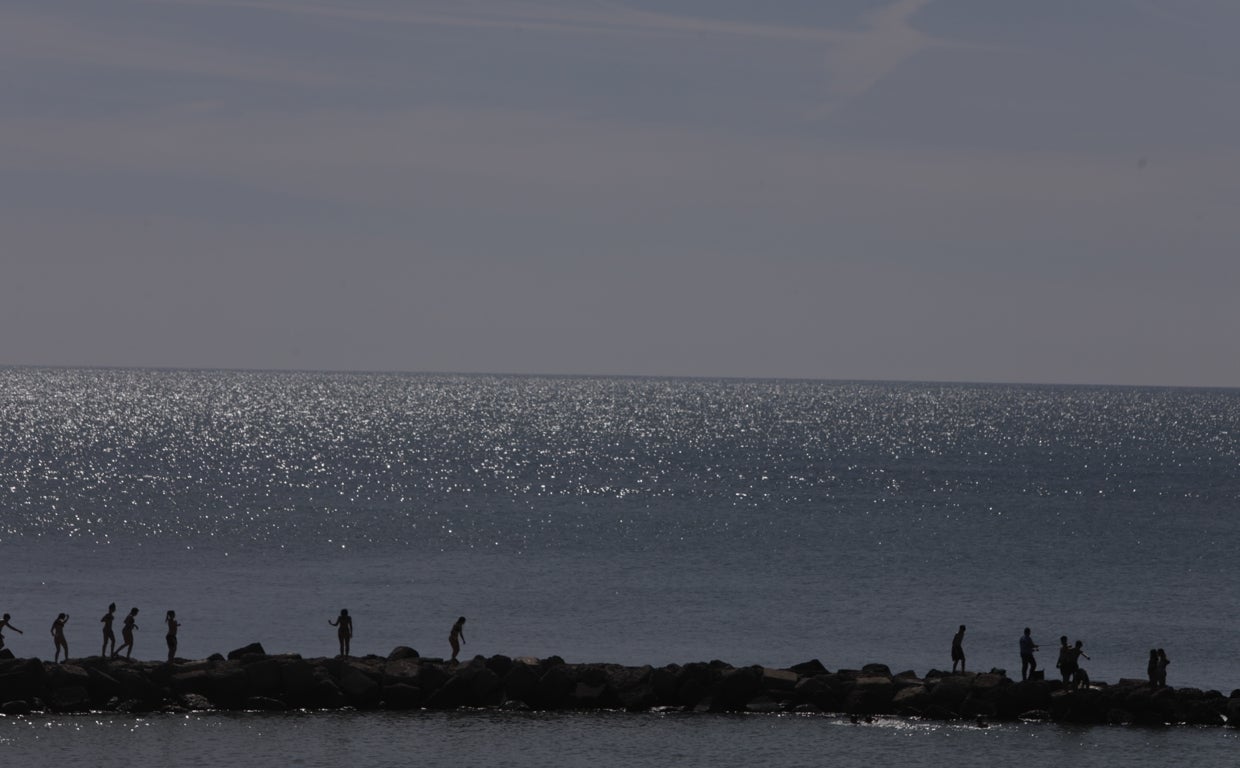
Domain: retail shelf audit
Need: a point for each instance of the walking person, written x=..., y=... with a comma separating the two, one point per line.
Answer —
x=1028, y=664
x=58, y=637
x=109, y=637
x=958, y=649
x=4, y=622
x=171, y=637
x=127, y=629
x=1080, y=679
x=344, y=633
x=457, y=636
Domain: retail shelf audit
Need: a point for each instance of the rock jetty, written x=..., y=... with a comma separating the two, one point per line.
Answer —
x=250, y=679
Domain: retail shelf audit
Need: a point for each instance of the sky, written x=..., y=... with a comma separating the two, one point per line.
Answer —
x=932, y=190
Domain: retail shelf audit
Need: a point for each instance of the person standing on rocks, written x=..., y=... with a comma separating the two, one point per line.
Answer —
x=457, y=636
x=1066, y=669
x=344, y=633
x=1028, y=664
x=127, y=628
x=58, y=636
x=108, y=635
x=1163, y=661
x=1151, y=669
x=1079, y=678
x=958, y=649
x=4, y=622
x=171, y=637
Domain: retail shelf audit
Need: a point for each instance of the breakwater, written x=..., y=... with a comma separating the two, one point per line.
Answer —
x=250, y=679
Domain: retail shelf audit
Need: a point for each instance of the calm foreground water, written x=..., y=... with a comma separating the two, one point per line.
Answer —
x=628, y=520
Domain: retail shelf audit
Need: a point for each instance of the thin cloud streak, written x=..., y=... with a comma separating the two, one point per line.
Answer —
x=45, y=37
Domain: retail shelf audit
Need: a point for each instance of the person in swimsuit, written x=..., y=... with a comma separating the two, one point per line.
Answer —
x=345, y=632
x=958, y=649
x=58, y=637
x=108, y=635
x=1163, y=661
x=127, y=629
x=5, y=623
x=171, y=637
x=457, y=636
x=1151, y=669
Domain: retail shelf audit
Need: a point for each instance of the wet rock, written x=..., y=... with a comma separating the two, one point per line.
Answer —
x=401, y=696
x=265, y=704
x=14, y=708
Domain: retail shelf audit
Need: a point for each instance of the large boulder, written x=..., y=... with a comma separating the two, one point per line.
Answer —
x=736, y=688
x=253, y=649
x=871, y=695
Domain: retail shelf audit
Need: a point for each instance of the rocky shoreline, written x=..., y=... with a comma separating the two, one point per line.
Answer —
x=249, y=679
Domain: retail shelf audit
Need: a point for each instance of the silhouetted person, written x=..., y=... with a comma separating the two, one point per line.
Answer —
x=958, y=649
x=171, y=637
x=4, y=622
x=58, y=637
x=457, y=636
x=345, y=631
x=1028, y=664
x=1151, y=669
x=108, y=635
x=1066, y=669
x=1163, y=661
x=1079, y=678
x=127, y=628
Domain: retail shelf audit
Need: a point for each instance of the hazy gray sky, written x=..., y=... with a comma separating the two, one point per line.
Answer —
x=959, y=190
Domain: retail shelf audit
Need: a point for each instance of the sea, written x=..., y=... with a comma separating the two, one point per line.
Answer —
x=628, y=520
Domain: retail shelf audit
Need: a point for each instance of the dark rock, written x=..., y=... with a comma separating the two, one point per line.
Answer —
x=876, y=670
x=253, y=649
x=587, y=696
x=499, y=664
x=809, y=668
x=195, y=702
x=361, y=690
x=1233, y=711
x=949, y=692
x=13, y=708
x=327, y=695
x=402, y=652
x=871, y=696
x=521, y=683
x=265, y=704
x=456, y=692
x=556, y=683
x=228, y=685
x=264, y=677
x=70, y=698
x=735, y=689
x=779, y=679
x=298, y=681
x=913, y=700
x=765, y=705
x=5, y=653
x=401, y=696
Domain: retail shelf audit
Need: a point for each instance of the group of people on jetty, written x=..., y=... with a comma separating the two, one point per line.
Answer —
x=343, y=624
x=128, y=625
x=1069, y=661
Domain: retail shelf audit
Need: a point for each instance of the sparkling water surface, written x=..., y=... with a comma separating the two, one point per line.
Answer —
x=627, y=520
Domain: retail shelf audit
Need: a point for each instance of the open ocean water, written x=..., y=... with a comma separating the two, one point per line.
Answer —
x=630, y=520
